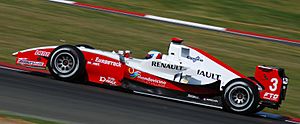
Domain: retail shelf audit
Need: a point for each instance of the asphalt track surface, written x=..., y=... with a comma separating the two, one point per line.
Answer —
x=39, y=95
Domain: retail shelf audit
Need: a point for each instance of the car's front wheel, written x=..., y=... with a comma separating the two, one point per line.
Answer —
x=66, y=63
x=240, y=97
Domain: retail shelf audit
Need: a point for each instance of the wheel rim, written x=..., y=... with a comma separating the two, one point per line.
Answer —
x=239, y=96
x=64, y=62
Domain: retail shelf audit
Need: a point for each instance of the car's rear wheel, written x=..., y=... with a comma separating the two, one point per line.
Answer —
x=66, y=63
x=240, y=97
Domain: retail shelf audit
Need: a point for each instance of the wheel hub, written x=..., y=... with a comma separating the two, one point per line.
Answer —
x=239, y=96
x=64, y=62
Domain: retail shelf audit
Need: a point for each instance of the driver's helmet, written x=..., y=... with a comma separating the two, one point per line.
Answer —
x=153, y=54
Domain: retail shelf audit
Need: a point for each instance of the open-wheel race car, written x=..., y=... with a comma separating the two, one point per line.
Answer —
x=185, y=74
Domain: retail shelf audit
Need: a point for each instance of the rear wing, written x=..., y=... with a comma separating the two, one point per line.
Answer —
x=274, y=83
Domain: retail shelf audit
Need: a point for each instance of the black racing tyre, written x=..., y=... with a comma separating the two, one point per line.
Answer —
x=240, y=97
x=66, y=63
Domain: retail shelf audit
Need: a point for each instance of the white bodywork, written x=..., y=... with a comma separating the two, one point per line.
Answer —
x=185, y=65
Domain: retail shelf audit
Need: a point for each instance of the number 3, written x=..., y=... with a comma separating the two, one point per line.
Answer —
x=275, y=82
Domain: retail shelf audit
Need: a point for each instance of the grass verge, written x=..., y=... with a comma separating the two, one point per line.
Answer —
x=10, y=118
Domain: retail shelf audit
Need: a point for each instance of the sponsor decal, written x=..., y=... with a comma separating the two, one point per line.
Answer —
x=271, y=96
x=192, y=96
x=111, y=81
x=108, y=62
x=148, y=80
x=166, y=65
x=195, y=59
x=24, y=61
x=133, y=74
x=210, y=75
x=93, y=63
x=210, y=100
x=152, y=81
x=42, y=53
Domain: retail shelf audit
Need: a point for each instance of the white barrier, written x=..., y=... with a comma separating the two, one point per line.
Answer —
x=181, y=22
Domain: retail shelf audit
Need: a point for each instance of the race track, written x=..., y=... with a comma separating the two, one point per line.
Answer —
x=42, y=96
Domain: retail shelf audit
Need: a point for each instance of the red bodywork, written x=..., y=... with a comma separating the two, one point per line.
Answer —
x=104, y=70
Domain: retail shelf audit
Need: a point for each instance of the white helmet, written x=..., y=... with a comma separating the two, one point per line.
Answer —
x=153, y=54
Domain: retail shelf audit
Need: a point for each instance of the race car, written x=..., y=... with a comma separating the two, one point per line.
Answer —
x=185, y=74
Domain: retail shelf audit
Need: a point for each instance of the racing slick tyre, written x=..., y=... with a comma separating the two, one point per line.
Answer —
x=240, y=97
x=66, y=63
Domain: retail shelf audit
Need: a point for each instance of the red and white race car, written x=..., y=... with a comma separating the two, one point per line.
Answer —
x=185, y=74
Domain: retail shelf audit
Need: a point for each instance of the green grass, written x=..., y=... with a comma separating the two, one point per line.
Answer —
x=26, y=118
x=272, y=17
x=33, y=23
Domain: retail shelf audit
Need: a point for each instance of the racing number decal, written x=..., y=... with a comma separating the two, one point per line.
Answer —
x=274, y=86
